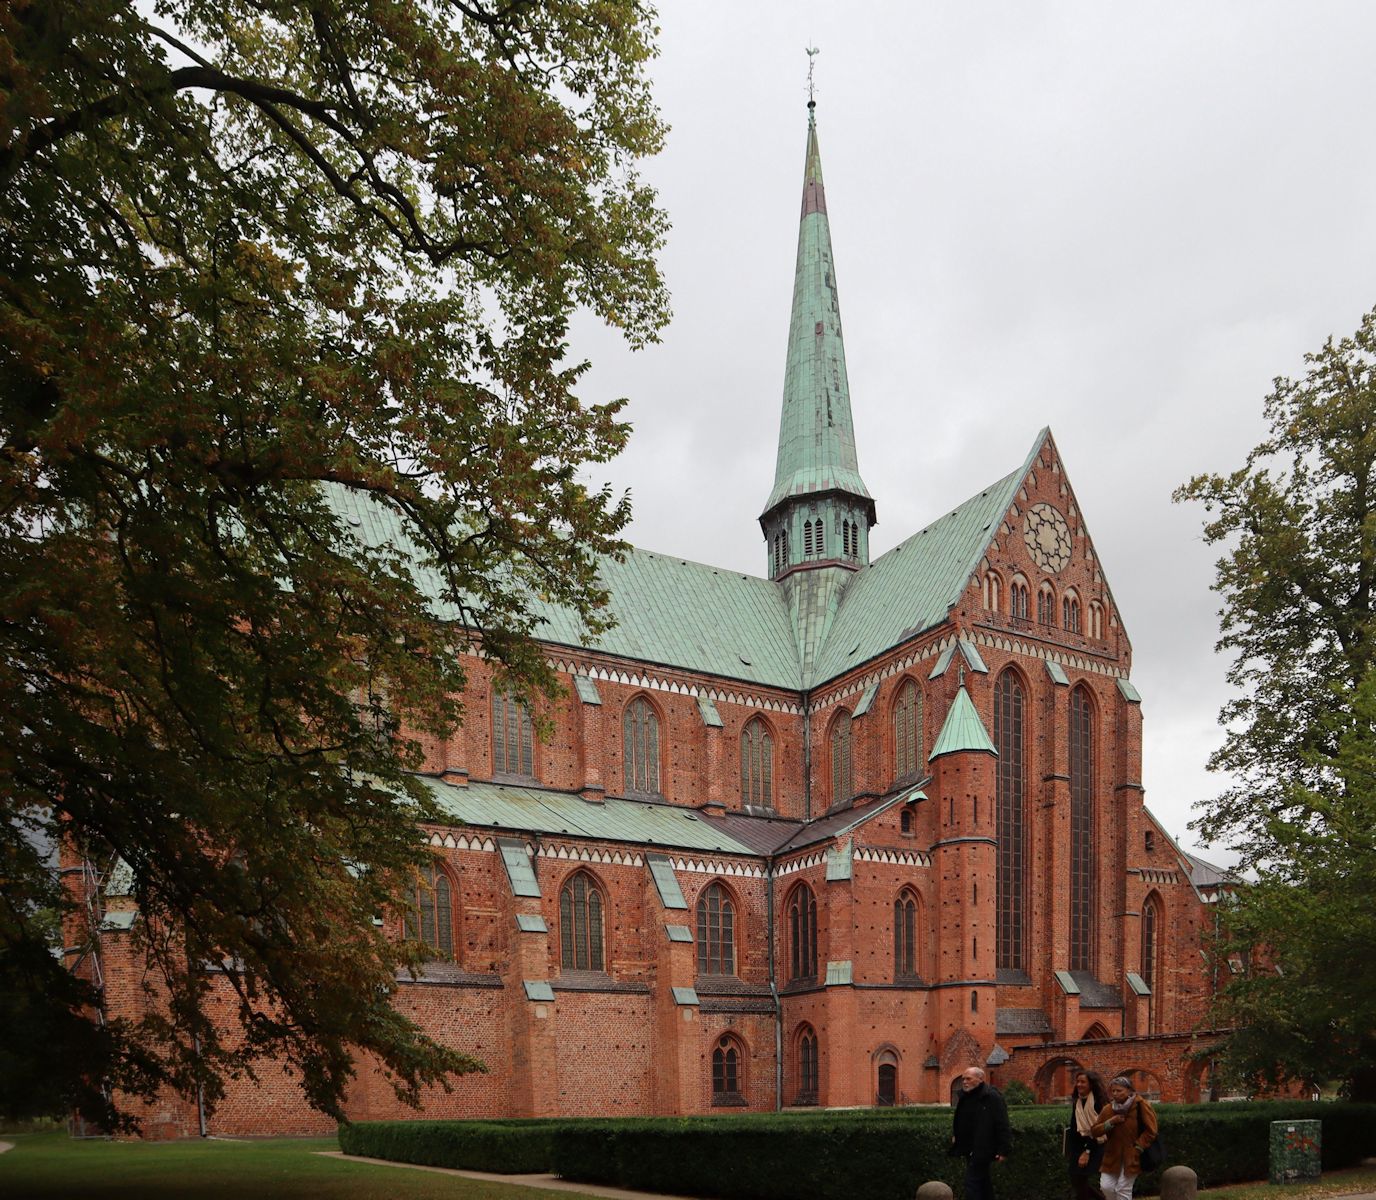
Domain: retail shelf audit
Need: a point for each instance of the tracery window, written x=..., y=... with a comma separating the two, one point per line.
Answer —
x=716, y=931
x=1017, y=598
x=513, y=742
x=807, y=1066
x=640, y=747
x=802, y=933
x=757, y=765
x=727, y=1072
x=1009, y=715
x=907, y=732
x=993, y=591
x=1046, y=605
x=1070, y=612
x=430, y=918
x=1081, y=831
x=905, y=935
x=580, y=924
x=842, y=778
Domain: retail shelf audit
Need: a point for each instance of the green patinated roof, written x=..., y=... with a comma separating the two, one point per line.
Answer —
x=914, y=585
x=511, y=809
x=668, y=610
x=707, y=619
x=962, y=730
x=816, y=434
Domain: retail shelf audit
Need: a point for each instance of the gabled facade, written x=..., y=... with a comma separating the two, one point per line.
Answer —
x=821, y=837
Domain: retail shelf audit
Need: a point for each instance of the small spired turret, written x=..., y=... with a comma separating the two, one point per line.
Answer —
x=817, y=519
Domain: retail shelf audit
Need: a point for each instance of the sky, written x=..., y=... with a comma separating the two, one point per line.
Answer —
x=1121, y=221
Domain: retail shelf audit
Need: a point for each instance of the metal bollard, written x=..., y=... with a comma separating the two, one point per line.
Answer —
x=934, y=1191
x=1179, y=1183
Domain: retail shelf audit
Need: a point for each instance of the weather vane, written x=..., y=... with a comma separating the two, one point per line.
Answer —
x=812, y=53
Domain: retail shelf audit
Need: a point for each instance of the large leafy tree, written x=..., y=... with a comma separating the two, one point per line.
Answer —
x=1298, y=581
x=267, y=266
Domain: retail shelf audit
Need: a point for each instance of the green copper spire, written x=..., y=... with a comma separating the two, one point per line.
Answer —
x=820, y=511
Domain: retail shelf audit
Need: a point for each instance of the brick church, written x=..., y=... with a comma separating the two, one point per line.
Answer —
x=823, y=836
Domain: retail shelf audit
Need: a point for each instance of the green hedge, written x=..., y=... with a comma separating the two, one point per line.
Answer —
x=514, y=1147
x=877, y=1155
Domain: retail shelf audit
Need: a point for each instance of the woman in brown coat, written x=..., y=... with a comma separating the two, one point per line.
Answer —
x=1130, y=1123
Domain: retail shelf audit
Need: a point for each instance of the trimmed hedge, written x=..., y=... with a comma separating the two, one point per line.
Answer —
x=858, y=1154
x=506, y=1147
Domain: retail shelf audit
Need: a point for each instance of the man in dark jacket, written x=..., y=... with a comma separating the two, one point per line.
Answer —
x=980, y=1135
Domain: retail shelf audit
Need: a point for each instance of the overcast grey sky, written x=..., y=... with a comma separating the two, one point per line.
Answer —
x=1117, y=220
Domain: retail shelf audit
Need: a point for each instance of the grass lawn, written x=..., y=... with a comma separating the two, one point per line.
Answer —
x=46, y=1166
x=1334, y=1183
x=52, y=1165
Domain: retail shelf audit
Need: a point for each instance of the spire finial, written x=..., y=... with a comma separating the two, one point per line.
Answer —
x=812, y=53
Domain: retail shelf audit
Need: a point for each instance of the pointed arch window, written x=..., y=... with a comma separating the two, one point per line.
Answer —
x=802, y=933
x=1151, y=931
x=993, y=591
x=728, y=1071
x=1010, y=788
x=812, y=538
x=430, y=917
x=1017, y=598
x=908, y=745
x=1096, y=619
x=640, y=747
x=1081, y=831
x=1070, y=612
x=905, y=935
x=513, y=742
x=1046, y=605
x=580, y=925
x=780, y=551
x=842, y=777
x=808, y=1073
x=716, y=931
x=757, y=765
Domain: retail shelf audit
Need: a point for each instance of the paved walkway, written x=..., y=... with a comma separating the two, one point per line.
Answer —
x=554, y=1184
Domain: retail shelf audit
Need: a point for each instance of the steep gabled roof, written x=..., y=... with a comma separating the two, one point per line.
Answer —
x=914, y=585
x=669, y=611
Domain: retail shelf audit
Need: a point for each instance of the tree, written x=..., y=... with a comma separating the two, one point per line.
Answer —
x=263, y=264
x=1299, y=523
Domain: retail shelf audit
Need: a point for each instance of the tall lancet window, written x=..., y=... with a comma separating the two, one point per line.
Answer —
x=1081, y=831
x=907, y=732
x=1009, y=715
x=640, y=747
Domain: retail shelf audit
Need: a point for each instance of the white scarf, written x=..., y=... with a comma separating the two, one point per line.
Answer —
x=1085, y=1114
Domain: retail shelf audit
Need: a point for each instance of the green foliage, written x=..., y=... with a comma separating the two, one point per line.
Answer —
x=259, y=261
x=1299, y=523
x=1018, y=1092
x=515, y=1147
x=834, y=1155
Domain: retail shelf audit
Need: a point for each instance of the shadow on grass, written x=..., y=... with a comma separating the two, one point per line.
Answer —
x=49, y=1166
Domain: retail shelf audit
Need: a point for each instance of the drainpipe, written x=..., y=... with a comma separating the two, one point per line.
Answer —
x=807, y=756
x=774, y=990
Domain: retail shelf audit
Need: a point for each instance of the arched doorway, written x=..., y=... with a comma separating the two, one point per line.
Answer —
x=886, y=1078
x=1054, y=1078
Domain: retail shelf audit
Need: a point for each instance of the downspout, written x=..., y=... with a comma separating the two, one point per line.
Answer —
x=807, y=756
x=774, y=990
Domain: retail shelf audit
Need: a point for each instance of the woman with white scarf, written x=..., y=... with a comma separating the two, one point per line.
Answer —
x=1130, y=1124
x=1083, y=1150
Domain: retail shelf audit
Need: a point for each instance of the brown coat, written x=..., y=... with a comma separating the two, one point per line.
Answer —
x=1127, y=1138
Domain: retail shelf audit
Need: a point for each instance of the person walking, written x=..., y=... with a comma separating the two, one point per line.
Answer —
x=980, y=1133
x=1130, y=1123
x=1083, y=1151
